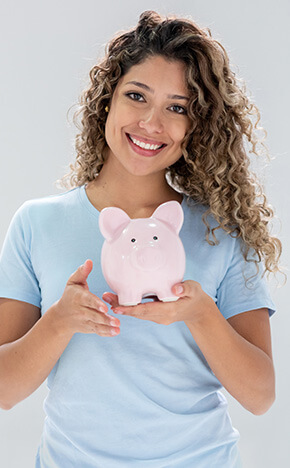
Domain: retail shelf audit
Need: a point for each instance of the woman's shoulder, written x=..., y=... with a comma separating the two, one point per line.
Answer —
x=200, y=221
x=52, y=206
x=61, y=200
x=198, y=214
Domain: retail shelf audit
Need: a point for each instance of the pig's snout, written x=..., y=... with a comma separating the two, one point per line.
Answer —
x=148, y=258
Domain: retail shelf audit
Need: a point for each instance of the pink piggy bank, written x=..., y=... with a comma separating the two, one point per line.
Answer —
x=143, y=256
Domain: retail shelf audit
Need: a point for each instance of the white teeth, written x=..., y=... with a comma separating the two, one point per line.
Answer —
x=144, y=145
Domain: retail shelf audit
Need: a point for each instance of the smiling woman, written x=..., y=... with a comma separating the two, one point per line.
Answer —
x=162, y=119
x=151, y=119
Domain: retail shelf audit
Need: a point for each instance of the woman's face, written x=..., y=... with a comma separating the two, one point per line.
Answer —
x=148, y=107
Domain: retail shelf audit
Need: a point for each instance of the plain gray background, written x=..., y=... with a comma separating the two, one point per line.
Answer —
x=47, y=49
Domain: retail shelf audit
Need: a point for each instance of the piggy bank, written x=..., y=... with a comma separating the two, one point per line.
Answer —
x=143, y=256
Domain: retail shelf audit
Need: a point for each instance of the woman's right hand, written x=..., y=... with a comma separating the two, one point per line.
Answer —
x=79, y=310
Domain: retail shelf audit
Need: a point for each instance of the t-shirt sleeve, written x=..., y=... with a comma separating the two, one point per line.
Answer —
x=17, y=277
x=235, y=294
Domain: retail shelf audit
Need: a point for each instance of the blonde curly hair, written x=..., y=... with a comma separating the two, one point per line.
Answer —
x=214, y=168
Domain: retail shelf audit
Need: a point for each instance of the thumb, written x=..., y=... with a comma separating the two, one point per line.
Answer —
x=187, y=288
x=178, y=289
x=80, y=276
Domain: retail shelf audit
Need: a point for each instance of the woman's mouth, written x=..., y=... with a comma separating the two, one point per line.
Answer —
x=144, y=148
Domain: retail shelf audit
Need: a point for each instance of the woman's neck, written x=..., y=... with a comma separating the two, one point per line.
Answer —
x=138, y=196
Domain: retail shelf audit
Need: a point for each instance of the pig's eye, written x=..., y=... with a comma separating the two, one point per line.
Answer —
x=155, y=238
x=133, y=240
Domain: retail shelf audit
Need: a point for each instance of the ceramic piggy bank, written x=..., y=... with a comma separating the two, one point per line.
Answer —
x=143, y=256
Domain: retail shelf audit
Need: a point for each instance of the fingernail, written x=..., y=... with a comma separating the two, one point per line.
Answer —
x=114, y=322
x=103, y=309
x=179, y=289
x=117, y=311
x=109, y=300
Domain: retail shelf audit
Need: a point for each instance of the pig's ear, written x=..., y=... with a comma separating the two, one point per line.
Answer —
x=171, y=213
x=111, y=220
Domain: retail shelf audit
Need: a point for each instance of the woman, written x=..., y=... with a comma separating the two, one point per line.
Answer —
x=163, y=119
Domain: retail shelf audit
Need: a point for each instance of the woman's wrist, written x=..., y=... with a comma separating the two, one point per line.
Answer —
x=57, y=324
x=204, y=311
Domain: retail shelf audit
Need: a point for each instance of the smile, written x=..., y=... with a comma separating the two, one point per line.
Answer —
x=145, y=148
x=144, y=144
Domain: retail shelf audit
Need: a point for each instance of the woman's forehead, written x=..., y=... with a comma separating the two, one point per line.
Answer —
x=155, y=70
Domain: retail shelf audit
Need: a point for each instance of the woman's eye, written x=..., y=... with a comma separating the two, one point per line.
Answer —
x=135, y=96
x=140, y=98
x=178, y=109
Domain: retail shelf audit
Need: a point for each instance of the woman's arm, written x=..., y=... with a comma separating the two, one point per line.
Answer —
x=238, y=351
x=30, y=346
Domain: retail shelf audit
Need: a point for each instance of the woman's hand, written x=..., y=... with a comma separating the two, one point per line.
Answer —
x=78, y=310
x=188, y=308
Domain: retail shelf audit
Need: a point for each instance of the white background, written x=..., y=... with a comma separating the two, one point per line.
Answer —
x=47, y=49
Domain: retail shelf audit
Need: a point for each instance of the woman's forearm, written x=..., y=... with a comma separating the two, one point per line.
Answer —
x=243, y=369
x=26, y=362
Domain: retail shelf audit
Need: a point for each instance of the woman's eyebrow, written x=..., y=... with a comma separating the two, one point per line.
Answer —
x=144, y=86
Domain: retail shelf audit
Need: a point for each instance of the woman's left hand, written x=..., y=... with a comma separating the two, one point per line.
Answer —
x=190, y=305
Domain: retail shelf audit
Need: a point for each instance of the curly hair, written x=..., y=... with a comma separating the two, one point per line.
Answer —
x=214, y=167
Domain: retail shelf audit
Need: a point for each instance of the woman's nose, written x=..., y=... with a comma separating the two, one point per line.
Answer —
x=151, y=121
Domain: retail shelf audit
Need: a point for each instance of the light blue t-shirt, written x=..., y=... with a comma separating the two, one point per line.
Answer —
x=147, y=397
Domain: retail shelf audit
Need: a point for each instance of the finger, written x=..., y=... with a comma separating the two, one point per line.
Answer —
x=84, y=298
x=178, y=289
x=143, y=310
x=99, y=318
x=80, y=276
x=187, y=288
x=158, y=312
x=111, y=298
x=102, y=330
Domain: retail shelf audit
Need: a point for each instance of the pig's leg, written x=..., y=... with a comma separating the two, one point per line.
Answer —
x=169, y=299
x=129, y=298
x=166, y=295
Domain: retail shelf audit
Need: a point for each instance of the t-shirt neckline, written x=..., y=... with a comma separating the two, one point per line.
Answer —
x=93, y=210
